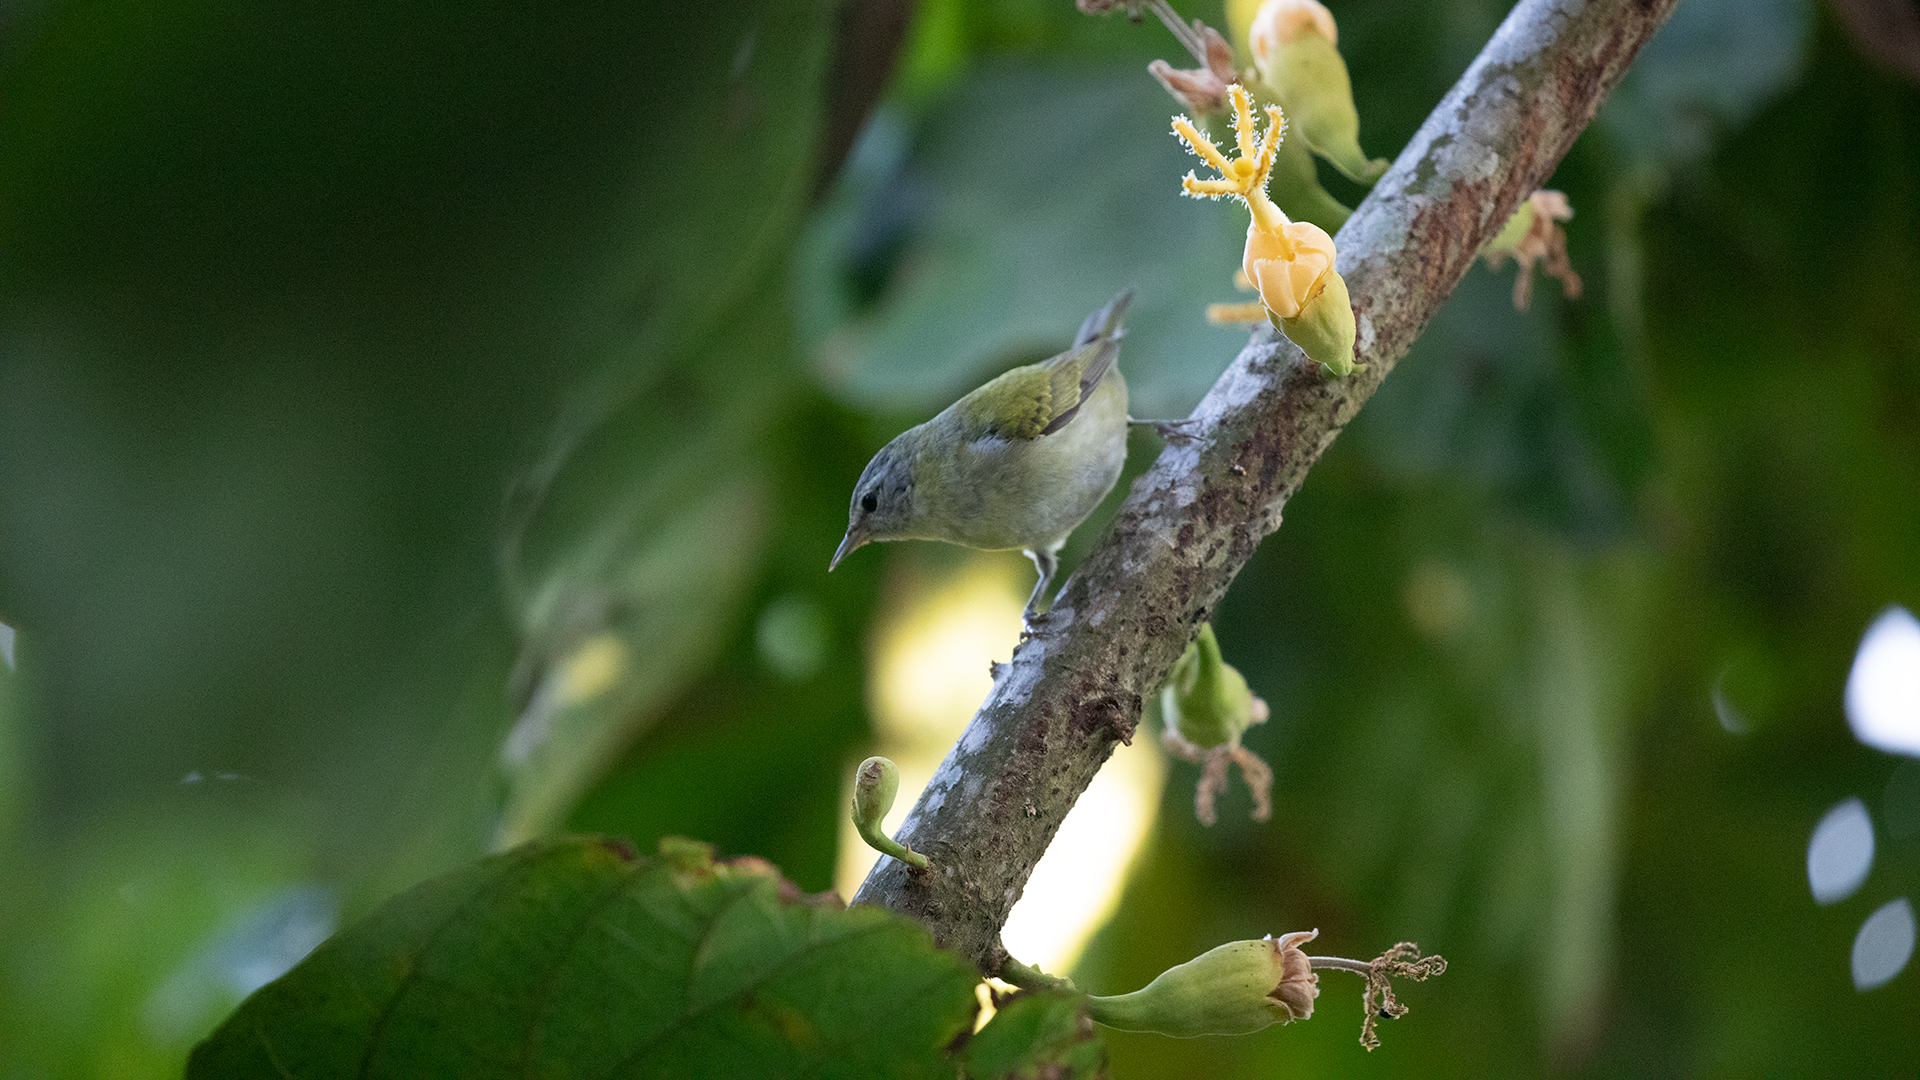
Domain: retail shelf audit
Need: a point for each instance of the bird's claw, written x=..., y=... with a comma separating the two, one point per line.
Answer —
x=1181, y=431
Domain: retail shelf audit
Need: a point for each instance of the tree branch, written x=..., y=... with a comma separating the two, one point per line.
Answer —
x=1194, y=519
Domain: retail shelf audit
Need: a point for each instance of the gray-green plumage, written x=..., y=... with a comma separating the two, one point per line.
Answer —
x=1018, y=463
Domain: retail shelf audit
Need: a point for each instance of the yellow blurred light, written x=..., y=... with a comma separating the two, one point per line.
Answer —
x=927, y=676
x=592, y=669
x=929, y=668
x=1077, y=883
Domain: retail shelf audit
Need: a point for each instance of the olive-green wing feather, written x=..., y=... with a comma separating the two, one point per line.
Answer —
x=1042, y=398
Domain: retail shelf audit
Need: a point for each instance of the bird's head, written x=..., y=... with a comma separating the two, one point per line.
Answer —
x=882, y=505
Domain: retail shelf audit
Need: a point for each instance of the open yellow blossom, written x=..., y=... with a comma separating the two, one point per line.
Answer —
x=1289, y=262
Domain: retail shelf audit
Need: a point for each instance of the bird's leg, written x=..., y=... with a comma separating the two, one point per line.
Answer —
x=1171, y=430
x=1046, y=562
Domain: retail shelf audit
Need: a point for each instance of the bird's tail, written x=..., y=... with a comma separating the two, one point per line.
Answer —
x=1106, y=322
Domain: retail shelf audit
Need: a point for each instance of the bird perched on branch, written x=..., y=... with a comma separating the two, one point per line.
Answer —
x=1017, y=463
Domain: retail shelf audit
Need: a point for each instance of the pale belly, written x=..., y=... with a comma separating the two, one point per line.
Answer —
x=1032, y=493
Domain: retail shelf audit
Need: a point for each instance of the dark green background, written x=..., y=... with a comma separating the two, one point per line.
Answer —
x=357, y=362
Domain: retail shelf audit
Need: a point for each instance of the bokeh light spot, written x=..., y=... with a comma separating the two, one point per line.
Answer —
x=1077, y=883
x=1841, y=852
x=792, y=636
x=1730, y=717
x=1884, y=945
x=1883, y=692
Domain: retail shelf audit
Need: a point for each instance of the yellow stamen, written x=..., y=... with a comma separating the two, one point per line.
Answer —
x=1235, y=314
x=1245, y=176
x=1199, y=143
x=1242, y=119
x=1210, y=188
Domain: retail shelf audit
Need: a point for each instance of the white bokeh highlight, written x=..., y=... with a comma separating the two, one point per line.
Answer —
x=1841, y=852
x=1883, y=692
x=1884, y=945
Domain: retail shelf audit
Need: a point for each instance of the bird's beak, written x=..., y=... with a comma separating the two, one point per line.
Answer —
x=855, y=537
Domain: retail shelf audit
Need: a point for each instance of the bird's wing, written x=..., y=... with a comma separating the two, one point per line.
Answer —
x=1019, y=404
x=1042, y=398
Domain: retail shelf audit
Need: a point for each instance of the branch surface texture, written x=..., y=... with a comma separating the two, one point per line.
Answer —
x=1192, y=521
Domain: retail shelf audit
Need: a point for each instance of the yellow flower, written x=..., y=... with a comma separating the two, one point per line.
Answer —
x=1289, y=266
x=1289, y=262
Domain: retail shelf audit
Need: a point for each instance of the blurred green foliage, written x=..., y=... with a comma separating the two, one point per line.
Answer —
x=360, y=364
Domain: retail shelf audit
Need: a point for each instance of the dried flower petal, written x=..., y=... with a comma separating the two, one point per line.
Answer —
x=1533, y=235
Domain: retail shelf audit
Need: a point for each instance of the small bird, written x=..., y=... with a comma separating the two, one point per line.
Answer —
x=1017, y=463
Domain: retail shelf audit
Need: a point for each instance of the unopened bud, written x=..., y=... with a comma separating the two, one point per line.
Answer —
x=1206, y=700
x=1293, y=46
x=1325, y=327
x=1283, y=22
x=1236, y=989
x=875, y=783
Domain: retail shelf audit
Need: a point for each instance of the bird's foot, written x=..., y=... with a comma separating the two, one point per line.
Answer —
x=1033, y=622
x=1183, y=431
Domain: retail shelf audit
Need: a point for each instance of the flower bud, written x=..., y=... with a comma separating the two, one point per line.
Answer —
x=1284, y=22
x=1206, y=701
x=1236, y=989
x=1292, y=42
x=1206, y=706
x=875, y=783
x=1325, y=327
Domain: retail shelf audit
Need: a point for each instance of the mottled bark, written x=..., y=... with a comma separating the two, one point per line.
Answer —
x=1193, y=520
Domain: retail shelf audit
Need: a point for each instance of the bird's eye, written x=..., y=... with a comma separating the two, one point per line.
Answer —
x=869, y=501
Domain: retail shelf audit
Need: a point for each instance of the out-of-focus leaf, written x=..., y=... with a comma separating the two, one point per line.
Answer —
x=636, y=535
x=1499, y=396
x=1045, y=1036
x=573, y=957
x=1708, y=71
x=661, y=612
x=1029, y=198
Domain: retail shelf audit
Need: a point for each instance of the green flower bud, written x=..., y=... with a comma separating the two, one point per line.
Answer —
x=1325, y=328
x=1206, y=706
x=875, y=784
x=1206, y=701
x=1293, y=46
x=1236, y=989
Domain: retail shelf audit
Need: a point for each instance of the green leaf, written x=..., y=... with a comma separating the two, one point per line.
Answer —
x=1028, y=198
x=1038, y=1035
x=574, y=958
